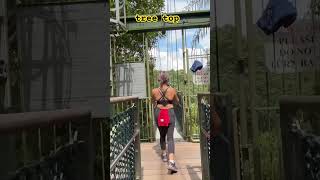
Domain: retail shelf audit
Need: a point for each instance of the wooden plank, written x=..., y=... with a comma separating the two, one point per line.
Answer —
x=187, y=158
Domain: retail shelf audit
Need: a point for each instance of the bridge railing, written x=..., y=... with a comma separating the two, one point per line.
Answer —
x=125, y=154
x=47, y=145
x=147, y=133
x=146, y=115
x=188, y=117
x=300, y=127
x=204, y=126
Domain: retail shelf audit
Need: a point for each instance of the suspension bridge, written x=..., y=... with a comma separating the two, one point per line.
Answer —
x=242, y=129
x=187, y=157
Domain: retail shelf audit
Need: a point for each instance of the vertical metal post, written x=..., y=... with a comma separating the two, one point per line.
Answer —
x=102, y=150
x=148, y=81
x=209, y=68
x=188, y=95
x=4, y=55
x=117, y=12
x=211, y=100
x=217, y=45
x=40, y=149
x=243, y=119
x=142, y=133
x=124, y=12
x=184, y=83
x=92, y=148
x=252, y=86
x=8, y=151
x=137, y=142
x=237, y=147
x=183, y=56
x=111, y=70
x=242, y=91
x=146, y=113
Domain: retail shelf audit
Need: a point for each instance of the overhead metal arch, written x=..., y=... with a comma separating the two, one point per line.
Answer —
x=188, y=20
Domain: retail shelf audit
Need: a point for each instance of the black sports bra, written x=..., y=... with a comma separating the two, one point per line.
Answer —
x=163, y=100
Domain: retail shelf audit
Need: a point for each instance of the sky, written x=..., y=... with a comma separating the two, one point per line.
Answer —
x=168, y=51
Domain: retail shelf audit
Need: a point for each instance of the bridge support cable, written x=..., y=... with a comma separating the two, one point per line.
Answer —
x=175, y=31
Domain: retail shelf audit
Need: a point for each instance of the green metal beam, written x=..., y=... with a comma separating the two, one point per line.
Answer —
x=188, y=20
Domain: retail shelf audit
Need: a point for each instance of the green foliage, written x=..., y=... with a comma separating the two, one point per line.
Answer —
x=268, y=144
x=315, y=7
x=178, y=79
x=130, y=46
x=143, y=7
x=192, y=117
x=47, y=1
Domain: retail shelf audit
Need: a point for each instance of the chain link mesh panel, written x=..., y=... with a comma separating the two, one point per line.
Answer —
x=311, y=150
x=122, y=148
x=205, y=123
x=204, y=135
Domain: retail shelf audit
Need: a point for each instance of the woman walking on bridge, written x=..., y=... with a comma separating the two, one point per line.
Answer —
x=163, y=97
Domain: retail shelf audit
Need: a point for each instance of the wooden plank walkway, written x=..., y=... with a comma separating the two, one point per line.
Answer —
x=187, y=158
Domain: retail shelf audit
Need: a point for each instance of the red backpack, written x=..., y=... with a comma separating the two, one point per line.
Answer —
x=164, y=118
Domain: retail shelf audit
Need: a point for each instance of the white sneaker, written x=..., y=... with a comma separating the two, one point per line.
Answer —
x=172, y=167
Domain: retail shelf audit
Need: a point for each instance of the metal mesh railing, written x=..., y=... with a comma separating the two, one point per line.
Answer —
x=122, y=156
x=125, y=143
x=204, y=126
x=311, y=151
x=147, y=133
x=145, y=114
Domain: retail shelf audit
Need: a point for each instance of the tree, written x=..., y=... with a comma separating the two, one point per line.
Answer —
x=129, y=46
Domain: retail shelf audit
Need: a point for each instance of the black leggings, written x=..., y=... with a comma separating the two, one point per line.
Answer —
x=166, y=131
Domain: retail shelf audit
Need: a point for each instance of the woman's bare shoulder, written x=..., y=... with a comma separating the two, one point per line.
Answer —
x=172, y=89
x=154, y=90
